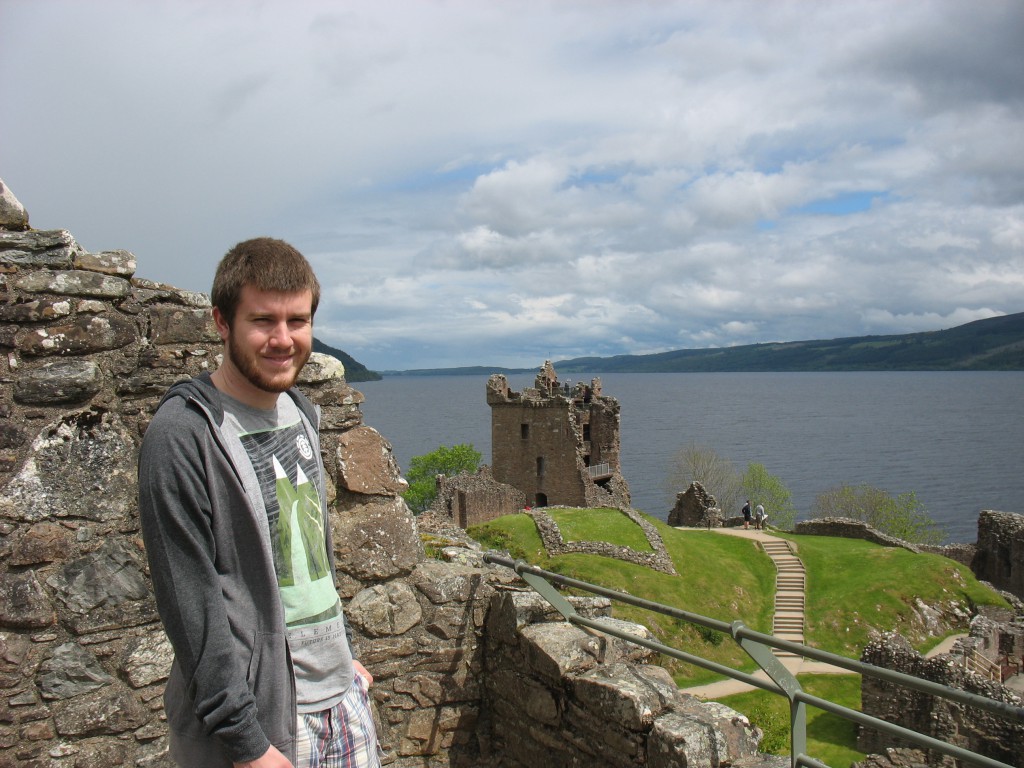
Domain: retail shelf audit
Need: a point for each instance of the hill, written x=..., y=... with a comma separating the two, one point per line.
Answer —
x=994, y=344
x=354, y=370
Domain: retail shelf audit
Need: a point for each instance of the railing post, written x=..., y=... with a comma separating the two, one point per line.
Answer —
x=786, y=680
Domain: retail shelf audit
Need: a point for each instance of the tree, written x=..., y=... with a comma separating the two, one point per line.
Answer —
x=903, y=516
x=423, y=472
x=718, y=475
x=722, y=480
x=762, y=487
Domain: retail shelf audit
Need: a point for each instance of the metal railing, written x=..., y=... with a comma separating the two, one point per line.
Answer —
x=600, y=470
x=759, y=647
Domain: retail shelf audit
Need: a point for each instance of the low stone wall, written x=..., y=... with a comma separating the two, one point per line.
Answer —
x=850, y=529
x=962, y=553
x=988, y=734
x=658, y=559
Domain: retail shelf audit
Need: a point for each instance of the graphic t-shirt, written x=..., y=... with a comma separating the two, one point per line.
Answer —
x=285, y=485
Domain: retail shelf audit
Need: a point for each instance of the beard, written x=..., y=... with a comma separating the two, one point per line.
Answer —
x=248, y=366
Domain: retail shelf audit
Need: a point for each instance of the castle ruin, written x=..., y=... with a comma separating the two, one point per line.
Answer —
x=557, y=444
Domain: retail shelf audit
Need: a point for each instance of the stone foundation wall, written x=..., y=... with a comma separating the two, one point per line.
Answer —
x=988, y=734
x=473, y=499
x=657, y=559
x=561, y=697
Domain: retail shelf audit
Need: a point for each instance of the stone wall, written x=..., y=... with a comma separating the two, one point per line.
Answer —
x=562, y=697
x=850, y=529
x=555, y=544
x=473, y=499
x=546, y=440
x=1000, y=551
x=694, y=508
x=988, y=734
x=88, y=349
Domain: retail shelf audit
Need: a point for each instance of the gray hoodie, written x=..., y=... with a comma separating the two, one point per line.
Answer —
x=231, y=691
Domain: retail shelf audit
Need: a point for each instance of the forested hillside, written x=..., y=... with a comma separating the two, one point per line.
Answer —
x=995, y=344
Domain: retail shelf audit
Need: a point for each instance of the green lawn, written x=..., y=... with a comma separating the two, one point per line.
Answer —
x=721, y=577
x=855, y=587
x=830, y=738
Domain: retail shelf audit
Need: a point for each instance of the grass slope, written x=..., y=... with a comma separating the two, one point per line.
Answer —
x=830, y=738
x=854, y=587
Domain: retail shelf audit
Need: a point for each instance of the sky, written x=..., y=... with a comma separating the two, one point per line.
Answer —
x=502, y=183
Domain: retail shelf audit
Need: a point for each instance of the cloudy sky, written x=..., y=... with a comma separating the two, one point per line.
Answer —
x=499, y=183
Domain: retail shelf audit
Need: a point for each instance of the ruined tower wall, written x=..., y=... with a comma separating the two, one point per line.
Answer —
x=547, y=440
x=999, y=557
x=604, y=446
x=534, y=448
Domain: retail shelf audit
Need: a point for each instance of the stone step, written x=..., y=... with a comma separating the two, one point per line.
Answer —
x=787, y=626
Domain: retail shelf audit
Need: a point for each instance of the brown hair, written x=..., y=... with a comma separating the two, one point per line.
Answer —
x=267, y=265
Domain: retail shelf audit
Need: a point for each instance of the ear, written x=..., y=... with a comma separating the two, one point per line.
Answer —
x=223, y=329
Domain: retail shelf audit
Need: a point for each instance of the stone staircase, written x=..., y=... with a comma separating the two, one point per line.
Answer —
x=790, y=580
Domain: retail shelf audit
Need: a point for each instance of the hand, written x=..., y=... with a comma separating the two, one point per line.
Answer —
x=272, y=758
x=361, y=670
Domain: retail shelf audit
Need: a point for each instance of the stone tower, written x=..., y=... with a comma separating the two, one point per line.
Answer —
x=557, y=444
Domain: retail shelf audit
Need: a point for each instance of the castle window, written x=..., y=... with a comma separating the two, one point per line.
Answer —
x=540, y=466
x=524, y=431
x=586, y=432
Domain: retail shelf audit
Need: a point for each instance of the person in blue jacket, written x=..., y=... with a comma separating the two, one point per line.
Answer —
x=234, y=517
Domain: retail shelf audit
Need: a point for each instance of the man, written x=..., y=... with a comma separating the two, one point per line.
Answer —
x=759, y=517
x=746, y=515
x=233, y=511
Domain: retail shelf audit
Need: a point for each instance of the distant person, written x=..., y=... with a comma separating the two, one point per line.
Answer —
x=759, y=517
x=232, y=499
x=746, y=515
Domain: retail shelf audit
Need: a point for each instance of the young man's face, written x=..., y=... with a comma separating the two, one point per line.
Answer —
x=266, y=345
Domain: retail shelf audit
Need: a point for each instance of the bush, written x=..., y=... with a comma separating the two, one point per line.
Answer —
x=901, y=516
x=423, y=472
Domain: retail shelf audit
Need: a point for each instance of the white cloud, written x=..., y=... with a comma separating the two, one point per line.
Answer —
x=482, y=183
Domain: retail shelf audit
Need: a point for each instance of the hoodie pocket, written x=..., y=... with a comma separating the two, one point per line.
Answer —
x=270, y=680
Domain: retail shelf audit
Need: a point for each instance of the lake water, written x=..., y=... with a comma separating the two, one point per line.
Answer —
x=954, y=439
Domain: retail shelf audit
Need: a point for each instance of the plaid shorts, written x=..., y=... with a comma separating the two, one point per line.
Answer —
x=342, y=736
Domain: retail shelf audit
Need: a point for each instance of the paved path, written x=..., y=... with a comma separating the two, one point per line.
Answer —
x=788, y=622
